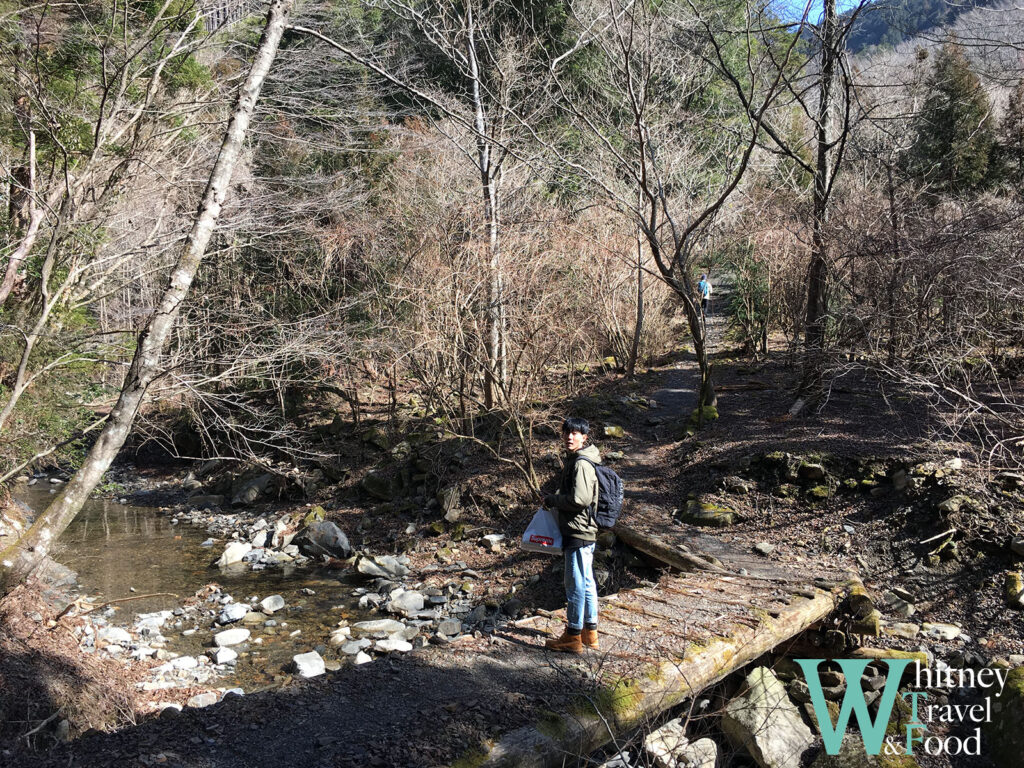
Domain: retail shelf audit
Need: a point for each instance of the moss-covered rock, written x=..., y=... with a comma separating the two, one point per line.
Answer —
x=614, y=430
x=785, y=490
x=375, y=436
x=812, y=715
x=705, y=514
x=705, y=414
x=818, y=492
x=378, y=485
x=954, y=504
x=1006, y=731
x=811, y=472
x=315, y=515
x=853, y=755
x=786, y=669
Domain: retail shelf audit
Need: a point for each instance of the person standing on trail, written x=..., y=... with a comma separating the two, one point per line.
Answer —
x=575, y=503
x=704, y=289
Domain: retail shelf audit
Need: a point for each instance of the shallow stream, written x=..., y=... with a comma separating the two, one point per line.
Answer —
x=123, y=551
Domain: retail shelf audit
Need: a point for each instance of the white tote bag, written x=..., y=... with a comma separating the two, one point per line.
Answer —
x=542, y=534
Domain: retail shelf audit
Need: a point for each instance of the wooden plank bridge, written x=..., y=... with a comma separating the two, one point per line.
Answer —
x=662, y=644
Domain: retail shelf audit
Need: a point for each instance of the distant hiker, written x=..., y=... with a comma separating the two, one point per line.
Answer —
x=575, y=503
x=704, y=289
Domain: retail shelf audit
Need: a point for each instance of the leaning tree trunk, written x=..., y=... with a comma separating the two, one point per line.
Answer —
x=817, y=276
x=18, y=560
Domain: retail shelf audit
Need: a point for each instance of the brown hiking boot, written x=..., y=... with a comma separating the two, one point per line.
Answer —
x=589, y=639
x=566, y=643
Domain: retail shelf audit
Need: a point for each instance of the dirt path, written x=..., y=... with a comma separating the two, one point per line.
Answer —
x=428, y=708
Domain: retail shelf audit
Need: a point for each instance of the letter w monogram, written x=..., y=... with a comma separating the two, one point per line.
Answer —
x=872, y=733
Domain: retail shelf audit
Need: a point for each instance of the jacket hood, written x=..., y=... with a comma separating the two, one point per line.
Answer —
x=590, y=452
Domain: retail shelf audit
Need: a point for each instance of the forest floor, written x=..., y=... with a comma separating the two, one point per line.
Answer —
x=429, y=707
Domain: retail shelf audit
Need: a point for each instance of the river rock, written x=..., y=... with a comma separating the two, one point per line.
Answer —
x=252, y=489
x=493, y=541
x=309, y=664
x=201, y=700
x=223, y=655
x=940, y=631
x=232, y=613
x=254, y=618
x=362, y=658
x=384, y=567
x=906, y=630
x=392, y=644
x=665, y=745
x=233, y=553
x=271, y=604
x=379, y=628
x=183, y=663
x=448, y=498
x=339, y=637
x=231, y=637
x=449, y=627
x=702, y=753
x=113, y=636
x=324, y=538
x=620, y=760
x=150, y=623
x=405, y=603
x=766, y=723
x=353, y=647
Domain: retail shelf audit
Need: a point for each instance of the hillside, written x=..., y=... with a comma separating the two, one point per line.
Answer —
x=890, y=22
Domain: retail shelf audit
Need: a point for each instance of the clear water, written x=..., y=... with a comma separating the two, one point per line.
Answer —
x=119, y=551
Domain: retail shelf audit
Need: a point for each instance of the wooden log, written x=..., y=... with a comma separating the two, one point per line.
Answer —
x=625, y=703
x=672, y=556
x=1013, y=590
x=859, y=602
x=889, y=653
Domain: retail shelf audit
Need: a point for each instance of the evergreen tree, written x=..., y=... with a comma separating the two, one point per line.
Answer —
x=1011, y=137
x=953, y=150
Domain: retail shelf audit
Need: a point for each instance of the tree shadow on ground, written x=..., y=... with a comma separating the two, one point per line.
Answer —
x=424, y=709
x=45, y=680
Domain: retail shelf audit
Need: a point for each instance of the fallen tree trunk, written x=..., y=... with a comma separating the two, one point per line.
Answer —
x=672, y=556
x=19, y=559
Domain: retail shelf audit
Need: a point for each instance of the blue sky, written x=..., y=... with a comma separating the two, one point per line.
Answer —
x=794, y=8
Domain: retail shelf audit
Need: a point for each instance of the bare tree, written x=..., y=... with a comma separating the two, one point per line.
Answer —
x=19, y=559
x=486, y=56
x=667, y=174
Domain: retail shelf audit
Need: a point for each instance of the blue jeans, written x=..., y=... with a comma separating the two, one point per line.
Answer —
x=580, y=588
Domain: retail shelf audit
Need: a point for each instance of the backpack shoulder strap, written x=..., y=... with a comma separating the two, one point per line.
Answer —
x=593, y=507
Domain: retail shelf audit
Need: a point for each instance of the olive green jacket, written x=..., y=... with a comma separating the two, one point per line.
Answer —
x=577, y=496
